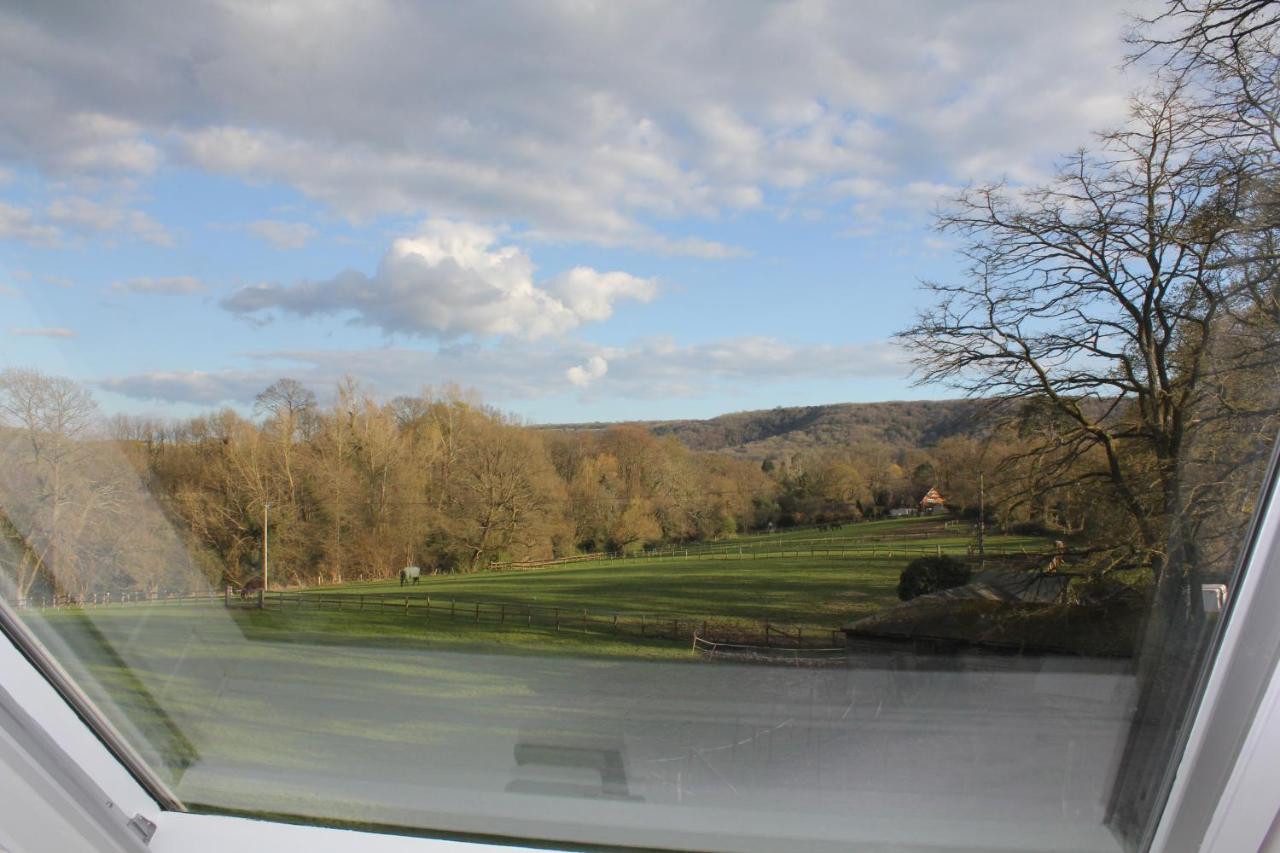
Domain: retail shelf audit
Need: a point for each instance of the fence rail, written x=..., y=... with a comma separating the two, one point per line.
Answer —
x=796, y=655
x=832, y=550
x=873, y=545
x=518, y=565
x=116, y=599
x=664, y=626
x=764, y=640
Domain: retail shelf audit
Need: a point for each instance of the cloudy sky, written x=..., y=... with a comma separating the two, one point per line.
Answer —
x=582, y=210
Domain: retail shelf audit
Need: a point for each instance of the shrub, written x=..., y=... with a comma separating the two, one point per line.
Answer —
x=924, y=575
x=1029, y=528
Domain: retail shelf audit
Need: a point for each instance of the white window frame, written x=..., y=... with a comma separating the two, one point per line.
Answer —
x=1224, y=796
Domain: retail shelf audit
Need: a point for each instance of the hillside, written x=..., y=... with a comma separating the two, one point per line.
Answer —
x=771, y=432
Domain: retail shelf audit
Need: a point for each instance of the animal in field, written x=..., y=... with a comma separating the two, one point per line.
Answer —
x=410, y=574
x=251, y=587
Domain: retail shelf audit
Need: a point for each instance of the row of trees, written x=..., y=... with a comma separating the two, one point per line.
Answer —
x=363, y=487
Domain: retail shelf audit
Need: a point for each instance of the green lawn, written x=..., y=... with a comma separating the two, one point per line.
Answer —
x=817, y=591
x=819, y=584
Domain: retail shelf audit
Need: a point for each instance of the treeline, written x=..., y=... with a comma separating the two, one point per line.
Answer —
x=787, y=430
x=362, y=487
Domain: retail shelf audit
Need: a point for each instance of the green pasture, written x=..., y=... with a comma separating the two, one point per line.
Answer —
x=810, y=591
x=819, y=585
x=900, y=535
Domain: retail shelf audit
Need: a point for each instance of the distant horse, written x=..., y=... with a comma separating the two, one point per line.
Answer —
x=410, y=574
x=251, y=587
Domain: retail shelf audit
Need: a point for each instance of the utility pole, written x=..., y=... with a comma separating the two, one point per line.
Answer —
x=982, y=522
x=265, y=506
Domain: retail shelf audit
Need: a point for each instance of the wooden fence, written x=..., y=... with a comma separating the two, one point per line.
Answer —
x=115, y=599
x=816, y=549
x=716, y=649
x=558, y=618
x=518, y=565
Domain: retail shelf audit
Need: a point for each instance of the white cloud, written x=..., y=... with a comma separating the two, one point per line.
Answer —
x=19, y=223
x=448, y=280
x=283, y=235
x=584, y=374
x=96, y=143
x=86, y=215
x=177, y=284
x=662, y=368
x=590, y=295
x=580, y=122
x=45, y=332
x=192, y=386
x=518, y=370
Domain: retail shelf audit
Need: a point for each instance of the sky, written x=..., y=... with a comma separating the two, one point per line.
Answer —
x=582, y=211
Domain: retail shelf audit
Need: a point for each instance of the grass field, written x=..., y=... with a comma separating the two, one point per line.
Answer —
x=819, y=584
x=851, y=533
x=817, y=591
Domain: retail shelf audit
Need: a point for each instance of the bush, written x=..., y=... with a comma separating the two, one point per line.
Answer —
x=924, y=575
x=1030, y=528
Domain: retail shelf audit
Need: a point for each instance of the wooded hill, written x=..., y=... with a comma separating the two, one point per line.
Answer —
x=787, y=430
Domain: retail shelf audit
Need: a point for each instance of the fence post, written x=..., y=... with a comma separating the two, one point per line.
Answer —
x=477, y=611
x=362, y=602
x=502, y=614
x=584, y=619
x=226, y=597
x=406, y=605
x=766, y=634
x=799, y=637
x=557, y=618
x=261, y=598
x=641, y=624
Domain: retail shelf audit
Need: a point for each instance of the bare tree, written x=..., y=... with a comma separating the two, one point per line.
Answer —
x=1229, y=47
x=1114, y=298
x=290, y=408
x=45, y=497
x=1101, y=294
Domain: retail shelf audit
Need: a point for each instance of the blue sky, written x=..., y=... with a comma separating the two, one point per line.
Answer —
x=648, y=210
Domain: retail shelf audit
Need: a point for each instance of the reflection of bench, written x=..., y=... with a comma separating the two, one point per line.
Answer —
x=607, y=762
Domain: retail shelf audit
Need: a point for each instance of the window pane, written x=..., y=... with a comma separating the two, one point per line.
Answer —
x=725, y=428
